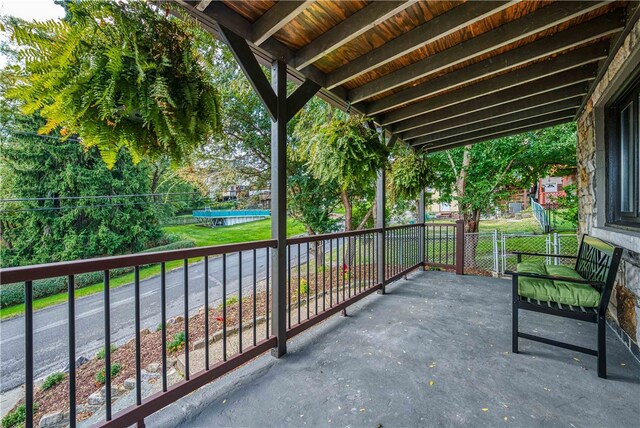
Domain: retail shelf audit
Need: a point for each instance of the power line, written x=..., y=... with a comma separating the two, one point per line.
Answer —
x=57, y=198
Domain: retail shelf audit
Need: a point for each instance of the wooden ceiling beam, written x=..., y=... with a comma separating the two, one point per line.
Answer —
x=554, y=82
x=542, y=111
x=565, y=96
x=506, y=131
x=277, y=17
x=440, y=26
x=535, y=22
x=347, y=30
x=540, y=49
x=576, y=58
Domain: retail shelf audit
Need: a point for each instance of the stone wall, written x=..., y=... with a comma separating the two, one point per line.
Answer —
x=625, y=301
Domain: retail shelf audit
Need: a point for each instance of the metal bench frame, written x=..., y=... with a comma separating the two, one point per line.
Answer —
x=597, y=262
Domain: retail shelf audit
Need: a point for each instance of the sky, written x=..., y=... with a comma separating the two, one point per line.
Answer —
x=29, y=10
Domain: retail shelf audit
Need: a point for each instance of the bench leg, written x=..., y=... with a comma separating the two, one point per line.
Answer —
x=514, y=315
x=602, y=348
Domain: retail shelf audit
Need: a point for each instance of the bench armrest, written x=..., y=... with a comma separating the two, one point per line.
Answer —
x=562, y=256
x=556, y=278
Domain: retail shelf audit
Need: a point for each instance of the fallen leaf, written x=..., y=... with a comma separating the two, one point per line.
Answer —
x=506, y=418
x=576, y=359
x=485, y=409
x=362, y=410
x=432, y=365
x=431, y=383
x=622, y=364
x=224, y=401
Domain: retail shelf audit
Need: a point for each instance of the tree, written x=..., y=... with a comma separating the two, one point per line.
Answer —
x=481, y=176
x=118, y=74
x=410, y=174
x=344, y=149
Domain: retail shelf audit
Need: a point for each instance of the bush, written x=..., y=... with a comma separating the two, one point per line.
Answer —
x=17, y=416
x=115, y=369
x=185, y=243
x=177, y=342
x=13, y=294
x=101, y=353
x=52, y=380
x=303, y=286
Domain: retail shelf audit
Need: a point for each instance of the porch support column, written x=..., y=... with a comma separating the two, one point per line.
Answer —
x=281, y=109
x=421, y=212
x=279, y=207
x=380, y=224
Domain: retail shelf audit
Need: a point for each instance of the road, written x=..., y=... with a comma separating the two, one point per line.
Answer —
x=50, y=324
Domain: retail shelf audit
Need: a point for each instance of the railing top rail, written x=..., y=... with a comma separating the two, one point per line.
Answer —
x=329, y=236
x=433, y=224
x=404, y=226
x=75, y=267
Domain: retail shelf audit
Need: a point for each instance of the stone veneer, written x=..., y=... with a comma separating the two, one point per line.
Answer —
x=625, y=301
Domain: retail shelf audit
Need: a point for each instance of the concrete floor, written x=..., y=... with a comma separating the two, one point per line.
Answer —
x=435, y=351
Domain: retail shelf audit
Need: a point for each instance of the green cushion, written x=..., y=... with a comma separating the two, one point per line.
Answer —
x=545, y=290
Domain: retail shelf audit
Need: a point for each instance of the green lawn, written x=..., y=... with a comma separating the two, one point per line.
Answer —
x=203, y=236
x=525, y=225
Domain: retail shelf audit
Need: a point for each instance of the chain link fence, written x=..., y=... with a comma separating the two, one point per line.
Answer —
x=491, y=253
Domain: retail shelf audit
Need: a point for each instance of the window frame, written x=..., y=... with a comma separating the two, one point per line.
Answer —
x=628, y=97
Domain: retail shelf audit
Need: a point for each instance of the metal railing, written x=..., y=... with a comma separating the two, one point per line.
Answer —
x=541, y=215
x=325, y=274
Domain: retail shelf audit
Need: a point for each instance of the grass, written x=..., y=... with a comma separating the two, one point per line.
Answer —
x=203, y=236
x=525, y=225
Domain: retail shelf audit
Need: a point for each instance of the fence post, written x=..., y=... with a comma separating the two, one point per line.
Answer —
x=381, y=223
x=421, y=231
x=459, y=247
x=496, y=262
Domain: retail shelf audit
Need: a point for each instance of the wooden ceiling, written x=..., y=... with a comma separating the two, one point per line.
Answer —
x=437, y=74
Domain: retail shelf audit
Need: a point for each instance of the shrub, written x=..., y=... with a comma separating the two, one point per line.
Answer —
x=303, y=286
x=17, y=416
x=185, y=243
x=159, y=327
x=101, y=353
x=177, y=342
x=115, y=369
x=52, y=380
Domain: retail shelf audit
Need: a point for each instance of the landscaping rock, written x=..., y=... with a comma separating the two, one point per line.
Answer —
x=145, y=331
x=130, y=384
x=179, y=319
x=153, y=368
x=79, y=362
x=52, y=420
x=198, y=344
x=96, y=399
x=114, y=391
x=148, y=376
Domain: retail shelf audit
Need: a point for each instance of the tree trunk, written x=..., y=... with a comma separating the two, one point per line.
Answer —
x=348, y=210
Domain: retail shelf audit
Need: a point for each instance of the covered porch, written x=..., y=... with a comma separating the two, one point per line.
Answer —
x=435, y=351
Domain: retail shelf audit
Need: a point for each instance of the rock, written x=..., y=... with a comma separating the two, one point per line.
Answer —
x=130, y=383
x=147, y=375
x=96, y=399
x=153, y=368
x=198, y=344
x=179, y=319
x=79, y=362
x=114, y=391
x=145, y=332
x=52, y=419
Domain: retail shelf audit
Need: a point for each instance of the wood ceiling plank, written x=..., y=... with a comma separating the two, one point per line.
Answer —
x=504, y=35
x=347, y=30
x=547, y=84
x=505, y=131
x=581, y=34
x=440, y=26
x=576, y=58
x=276, y=18
x=563, y=97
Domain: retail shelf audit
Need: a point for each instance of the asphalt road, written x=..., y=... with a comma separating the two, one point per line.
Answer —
x=50, y=324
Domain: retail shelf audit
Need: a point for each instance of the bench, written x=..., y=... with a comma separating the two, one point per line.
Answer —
x=581, y=292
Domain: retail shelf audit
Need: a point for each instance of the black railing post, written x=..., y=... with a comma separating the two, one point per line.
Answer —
x=421, y=215
x=459, y=247
x=380, y=224
x=279, y=206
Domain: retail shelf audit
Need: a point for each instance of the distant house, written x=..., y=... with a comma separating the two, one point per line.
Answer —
x=550, y=188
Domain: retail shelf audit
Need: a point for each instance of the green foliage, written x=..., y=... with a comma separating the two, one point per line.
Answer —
x=177, y=342
x=410, y=173
x=52, y=380
x=101, y=352
x=184, y=243
x=568, y=205
x=115, y=370
x=304, y=287
x=118, y=74
x=345, y=150
x=17, y=416
x=485, y=175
